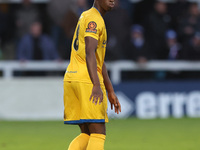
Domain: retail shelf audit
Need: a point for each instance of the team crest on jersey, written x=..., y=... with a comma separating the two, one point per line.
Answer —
x=92, y=27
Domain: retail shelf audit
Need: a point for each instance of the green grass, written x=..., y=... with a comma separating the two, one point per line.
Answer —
x=129, y=134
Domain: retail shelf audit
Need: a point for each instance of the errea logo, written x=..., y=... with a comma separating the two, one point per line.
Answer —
x=150, y=105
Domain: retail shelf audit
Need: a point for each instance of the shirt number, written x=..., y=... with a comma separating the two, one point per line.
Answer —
x=76, y=41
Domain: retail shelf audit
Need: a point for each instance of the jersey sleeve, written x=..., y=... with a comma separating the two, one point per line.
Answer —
x=92, y=28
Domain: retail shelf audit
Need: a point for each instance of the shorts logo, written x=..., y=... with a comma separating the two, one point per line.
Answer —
x=92, y=27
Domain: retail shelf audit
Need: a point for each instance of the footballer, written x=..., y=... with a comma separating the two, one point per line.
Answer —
x=86, y=80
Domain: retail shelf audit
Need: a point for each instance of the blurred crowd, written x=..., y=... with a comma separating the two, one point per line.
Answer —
x=140, y=31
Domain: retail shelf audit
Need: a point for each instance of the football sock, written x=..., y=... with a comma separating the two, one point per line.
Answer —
x=96, y=142
x=80, y=142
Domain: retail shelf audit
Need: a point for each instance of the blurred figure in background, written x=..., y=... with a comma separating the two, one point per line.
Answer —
x=25, y=16
x=3, y=26
x=64, y=16
x=128, y=6
x=82, y=6
x=178, y=11
x=6, y=32
x=118, y=35
x=189, y=24
x=138, y=47
x=36, y=46
x=156, y=25
x=4, y=22
x=174, y=48
x=141, y=10
x=191, y=50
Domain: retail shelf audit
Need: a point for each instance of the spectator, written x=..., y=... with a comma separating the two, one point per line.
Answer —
x=4, y=22
x=71, y=17
x=36, y=46
x=191, y=50
x=57, y=9
x=64, y=15
x=25, y=16
x=118, y=34
x=6, y=32
x=178, y=11
x=128, y=6
x=82, y=6
x=190, y=24
x=174, y=47
x=141, y=10
x=156, y=25
x=138, y=49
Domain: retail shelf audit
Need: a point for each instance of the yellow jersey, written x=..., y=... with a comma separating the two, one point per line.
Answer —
x=90, y=24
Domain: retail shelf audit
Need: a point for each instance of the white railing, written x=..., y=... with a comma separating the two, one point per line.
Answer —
x=115, y=67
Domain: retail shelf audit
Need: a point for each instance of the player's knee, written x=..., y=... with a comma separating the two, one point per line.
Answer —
x=84, y=129
x=98, y=128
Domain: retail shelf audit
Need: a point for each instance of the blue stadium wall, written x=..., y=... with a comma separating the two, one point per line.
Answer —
x=43, y=100
x=150, y=99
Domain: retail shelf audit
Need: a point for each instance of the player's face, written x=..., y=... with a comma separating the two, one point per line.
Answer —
x=107, y=5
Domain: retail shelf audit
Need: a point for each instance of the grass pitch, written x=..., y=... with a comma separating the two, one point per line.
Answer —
x=129, y=134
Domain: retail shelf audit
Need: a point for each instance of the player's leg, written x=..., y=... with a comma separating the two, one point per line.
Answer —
x=84, y=128
x=72, y=116
x=97, y=136
x=81, y=141
x=98, y=128
x=94, y=115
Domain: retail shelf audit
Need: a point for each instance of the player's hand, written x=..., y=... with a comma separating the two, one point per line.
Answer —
x=96, y=95
x=114, y=102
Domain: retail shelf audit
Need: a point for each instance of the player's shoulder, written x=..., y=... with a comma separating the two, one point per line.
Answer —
x=92, y=14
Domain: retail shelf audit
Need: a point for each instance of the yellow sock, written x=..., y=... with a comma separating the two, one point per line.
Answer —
x=80, y=142
x=96, y=142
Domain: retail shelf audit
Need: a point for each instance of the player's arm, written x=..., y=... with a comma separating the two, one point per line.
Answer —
x=109, y=88
x=90, y=47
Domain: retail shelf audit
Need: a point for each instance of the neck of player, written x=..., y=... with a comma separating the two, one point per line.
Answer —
x=100, y=9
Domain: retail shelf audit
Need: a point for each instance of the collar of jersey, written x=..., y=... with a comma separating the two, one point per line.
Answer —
x=97, y=10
